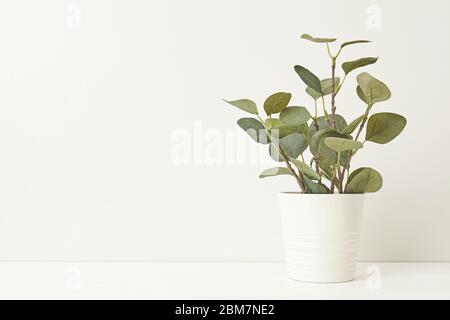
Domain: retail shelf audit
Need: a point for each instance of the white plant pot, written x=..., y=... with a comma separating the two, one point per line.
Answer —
x=321, y=235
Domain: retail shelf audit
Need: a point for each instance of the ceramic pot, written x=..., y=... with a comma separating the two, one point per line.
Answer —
x=321, y=235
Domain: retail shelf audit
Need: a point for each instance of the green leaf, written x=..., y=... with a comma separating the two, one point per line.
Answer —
x=244, y=104
x=294, y=116
x=313, y=93
x=317, y=40
x=329, y=157
x=354, y=174
x=327, y=172
x=255, y=129
x=303, y=129
x=326, y=155
x=341, y=124
x=384, y=127
x=327, y=85
x=279, y=129
x=349, y=66
x=373, y=89
x=318, y=148
x=272, y=172
x=341, y=144
x=353, y=42
x=273, y=124
x=353, y=125
x=274, y=154
x=317, y=138
x=309, y=78
x=305, y=169
x=293, y=145
x=315, y=188
x=327, y=88
x=364, y=180
x=361, y=95
x=277, y=102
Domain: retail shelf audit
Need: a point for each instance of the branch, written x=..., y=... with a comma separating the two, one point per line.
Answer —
x=333, y=93
x=319, y=172
x=350, y=155
x=282, y=153
x=300, y=181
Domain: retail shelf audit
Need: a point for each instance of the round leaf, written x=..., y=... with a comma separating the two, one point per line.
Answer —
x=364, y=180
x=353, y=125
x=329, y=157
x=244, y=104
x=294, y=116
x=341, y=124
x=272, y=172
x=384, y=127
x=317, y=138
x=318, y=148
x=305, y=169
x=309, y=78
x=361, y=95
x=303, y=129
x=373, y=89
x=255, y=129
x=313, y=93
x=293, y=145
x=341, y=144
x=348, y=43
x=354, y=174
x=327, y=85
x=277, y=102
x=317, y=40
x=315, y=188
x=279, y=129
x=349, y=66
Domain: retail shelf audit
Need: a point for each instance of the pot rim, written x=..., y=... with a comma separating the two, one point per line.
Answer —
x=296, y=193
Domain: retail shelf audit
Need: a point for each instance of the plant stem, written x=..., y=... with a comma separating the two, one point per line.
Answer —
x=333, y=93
x=298, y=177
x=316, y=125
x=340, y=84
x=335, y=168
x=325, y=113
x=333, y=110
x=337, y=54
x=329, y=51
x=319, y=172
x=332, y=179
x=350, y=155
x=363, y=123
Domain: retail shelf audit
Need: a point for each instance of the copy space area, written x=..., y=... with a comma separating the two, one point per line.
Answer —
x=115, y=143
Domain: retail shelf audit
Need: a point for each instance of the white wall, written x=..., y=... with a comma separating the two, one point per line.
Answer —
x=88, y=114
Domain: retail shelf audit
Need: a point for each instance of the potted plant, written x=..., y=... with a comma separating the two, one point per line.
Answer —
x=322, y=220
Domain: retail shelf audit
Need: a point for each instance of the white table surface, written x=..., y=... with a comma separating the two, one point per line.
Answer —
x=58, y=280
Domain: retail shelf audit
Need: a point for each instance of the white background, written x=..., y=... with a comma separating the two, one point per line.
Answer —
x=88, y=116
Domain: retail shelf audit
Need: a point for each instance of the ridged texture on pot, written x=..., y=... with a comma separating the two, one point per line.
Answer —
x=321, y=235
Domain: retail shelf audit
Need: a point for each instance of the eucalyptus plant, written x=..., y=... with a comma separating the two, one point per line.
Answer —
x=289, y=131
